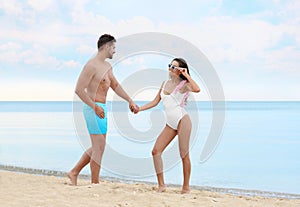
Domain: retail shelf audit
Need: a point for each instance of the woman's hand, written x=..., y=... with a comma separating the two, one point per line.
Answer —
x=133, y=107
x=192, y=84
x=137, y=109
x=183, y=71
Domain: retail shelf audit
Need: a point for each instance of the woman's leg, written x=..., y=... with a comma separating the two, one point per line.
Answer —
x=165, y=137
x=184, y=133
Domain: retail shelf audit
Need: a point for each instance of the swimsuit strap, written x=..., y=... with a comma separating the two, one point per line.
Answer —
x=184, y=99
x=179, y=86
x=163, y=87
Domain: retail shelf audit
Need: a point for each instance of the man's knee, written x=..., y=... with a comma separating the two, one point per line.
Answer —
x=98, y=149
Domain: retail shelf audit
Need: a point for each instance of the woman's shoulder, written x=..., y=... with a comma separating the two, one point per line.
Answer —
x=164, y=83
x=186, y=88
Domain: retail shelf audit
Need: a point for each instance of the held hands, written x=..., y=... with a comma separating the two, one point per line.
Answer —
x=133, y=107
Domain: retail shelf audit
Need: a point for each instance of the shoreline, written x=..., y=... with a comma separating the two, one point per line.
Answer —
x=23, y=189
x=224, y=191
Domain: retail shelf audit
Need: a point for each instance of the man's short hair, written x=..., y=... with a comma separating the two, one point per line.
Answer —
x=105, y=39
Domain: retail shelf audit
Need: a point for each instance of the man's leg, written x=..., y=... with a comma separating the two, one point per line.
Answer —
x=98, y=146
x=84, y=160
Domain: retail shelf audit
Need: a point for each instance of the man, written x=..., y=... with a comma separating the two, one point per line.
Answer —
x=92, y=86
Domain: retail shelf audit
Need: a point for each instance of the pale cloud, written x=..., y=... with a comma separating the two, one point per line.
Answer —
x=86, y=50
x=288, y=11
x=46, y=62
x=238, y=39
x=51, y=35
x=135, y=25
x=17, y=13
x=35, y=90
x=133, y=61
x=9, y=57
x=11, y=7
x=10, y=46
x=228, y=39
x=37, y=58
x=88, y=22
x=71, y=64
x=40, y=5
x=293, y=6
x=222, y=38
x=9, y=52
x=91, y=23
x=28, y=37
x=286, y=59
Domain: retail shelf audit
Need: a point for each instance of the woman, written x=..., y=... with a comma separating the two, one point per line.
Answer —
x=174, y=93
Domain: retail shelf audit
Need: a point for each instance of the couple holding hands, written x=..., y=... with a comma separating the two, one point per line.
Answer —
x=92, y=87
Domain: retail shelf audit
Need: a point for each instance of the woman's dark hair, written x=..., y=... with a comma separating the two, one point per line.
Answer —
x=182, y=64
x=105, y=39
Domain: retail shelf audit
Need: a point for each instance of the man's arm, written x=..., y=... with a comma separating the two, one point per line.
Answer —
x=114, y=84
x=82, y=83
x=117, y=88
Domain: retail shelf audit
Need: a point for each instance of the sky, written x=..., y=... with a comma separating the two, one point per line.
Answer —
x=253, y=45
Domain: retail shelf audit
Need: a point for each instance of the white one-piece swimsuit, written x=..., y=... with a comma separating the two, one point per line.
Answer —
x=173, y=104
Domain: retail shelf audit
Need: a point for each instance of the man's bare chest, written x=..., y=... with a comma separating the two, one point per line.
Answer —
x=102, y=79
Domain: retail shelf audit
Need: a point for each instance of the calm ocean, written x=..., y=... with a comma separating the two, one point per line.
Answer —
x=259, y=148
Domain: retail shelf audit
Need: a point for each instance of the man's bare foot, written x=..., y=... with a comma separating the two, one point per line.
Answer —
x=161, y=189
x=72, y=177
x=185, y=190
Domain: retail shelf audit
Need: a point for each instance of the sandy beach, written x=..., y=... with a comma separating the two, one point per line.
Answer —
x=21, y=189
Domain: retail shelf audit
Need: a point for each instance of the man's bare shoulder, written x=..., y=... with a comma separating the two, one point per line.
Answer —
x=96, y=64
x=108, y=66
x=90, y=67
x=90, y=64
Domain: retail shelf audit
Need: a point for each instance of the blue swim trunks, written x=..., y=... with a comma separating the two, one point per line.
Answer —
x=94, y=124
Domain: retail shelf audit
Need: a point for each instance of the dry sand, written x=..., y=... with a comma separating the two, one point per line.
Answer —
x=20, y=189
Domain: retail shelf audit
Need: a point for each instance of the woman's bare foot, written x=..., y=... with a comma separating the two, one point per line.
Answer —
x=185, y=190
x=73, y=177
x=161, y=189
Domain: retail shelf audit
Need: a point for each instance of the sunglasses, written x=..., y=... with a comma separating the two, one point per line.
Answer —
x=173, y=67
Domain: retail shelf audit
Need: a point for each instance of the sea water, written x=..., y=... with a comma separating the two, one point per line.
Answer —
x=258, y=149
